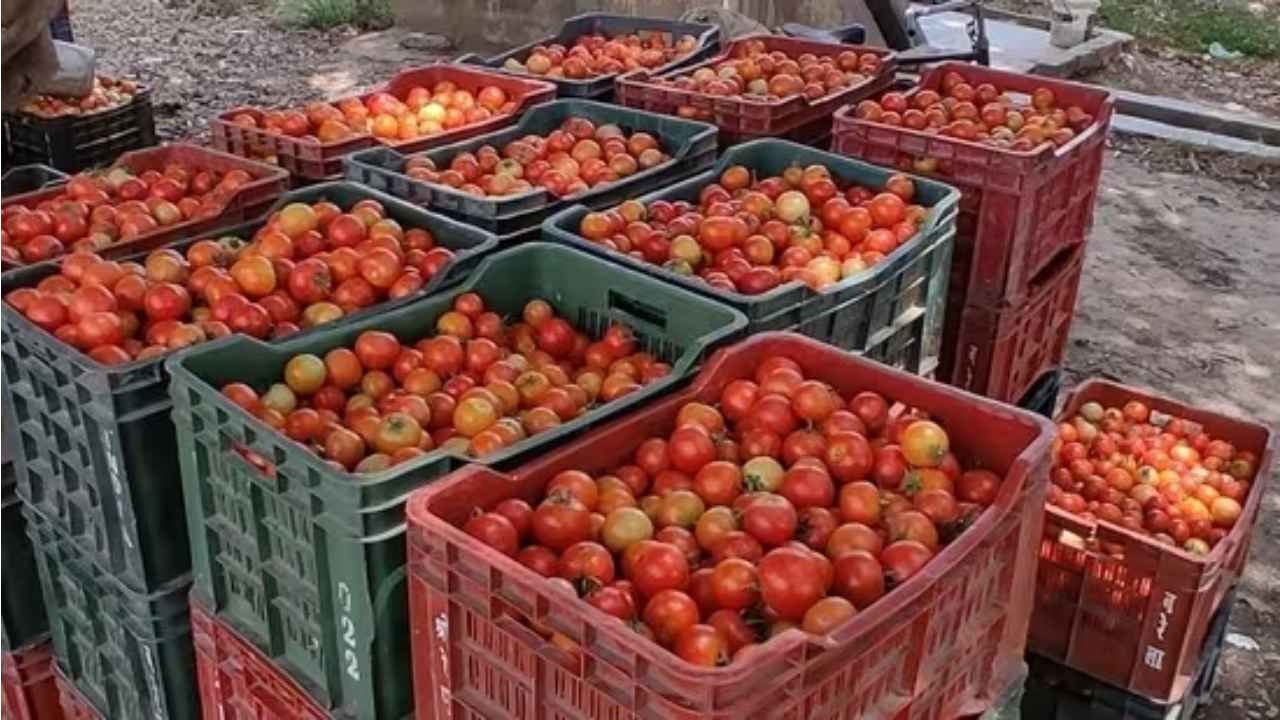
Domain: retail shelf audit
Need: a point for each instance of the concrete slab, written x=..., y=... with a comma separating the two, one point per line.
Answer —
x=1150, y=128
x=1022, y=44
x=1195, y=116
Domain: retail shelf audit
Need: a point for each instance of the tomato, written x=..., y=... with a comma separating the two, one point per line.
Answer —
x=772, y=413
x=737, y=399
x=612, y=600
x=813, y=401
x=344, y=447
x=762, y=474
x=702, y=645
x=734, y=584
x=495, y=531
x=872, y=409
x=890, y=467
x=770, y=519
x=578, y=484
x=396, y=431
x=938, y=505
x=718, y=482
x=737, y=543
x=802, y=444
x=808, y=486
x=166, y=301
x=540, y=559
x=826, y=615
x=859, y=578
x=669, y=613
x=587, y=565
x=734, y=628
x=657, y=567
x=859, y=502
x=902, y=559
x=305, y=374
x=690, y=448
x=560, y=521
x=848, y=456
x=791, y=581
x=924, y=443
x=625, y=527
x=377, y=350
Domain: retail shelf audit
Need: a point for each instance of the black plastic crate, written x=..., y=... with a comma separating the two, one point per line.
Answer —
x=1042, y=398
x=1056, y=692
x=24, y=179
x=129, y=654
x=23, y=607
x=76, y=142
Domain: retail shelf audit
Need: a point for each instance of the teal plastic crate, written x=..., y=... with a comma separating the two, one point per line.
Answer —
x=690, y=144
x=129, y=654
x=95, y=449
x=601, y=87
x=892, y=312
x=307, y=562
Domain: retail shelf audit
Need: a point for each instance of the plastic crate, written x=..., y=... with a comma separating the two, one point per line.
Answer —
x=737, y=114
x=306, y=562
x=691, y=145
x=238, y=682
x=1139, y=622
x=1019, y=210
x=1042, y=398
x=24, y=620
x=317, y=161
x=74, y=705
x=77, y=142
x=30, y=692
x=1001, y=352
x=128, y=653
x=601, y=87
x=250, y=201
x=893, y=312
x=96, y=444
x=27, y=178
x=944, y=644
x=1056, y=692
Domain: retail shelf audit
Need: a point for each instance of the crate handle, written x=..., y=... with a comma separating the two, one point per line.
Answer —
x=637, y=311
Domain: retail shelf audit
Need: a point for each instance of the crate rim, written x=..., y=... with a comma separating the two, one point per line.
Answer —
x=846, y=632
x=1042, y=152
x=1252, y=506
x=175, y=365
x=453, y=149
x=937, y=214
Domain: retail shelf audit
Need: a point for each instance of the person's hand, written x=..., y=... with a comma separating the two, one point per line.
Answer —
x=28, y=52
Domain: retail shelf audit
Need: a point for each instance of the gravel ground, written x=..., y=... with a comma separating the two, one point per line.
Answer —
x=1180, y=290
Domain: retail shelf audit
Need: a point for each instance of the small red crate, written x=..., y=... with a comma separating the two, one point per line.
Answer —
x=1001, y=352
x=237, y=681
x=1018, y=210
x=1139, y=622
x=747, y=118
x=252, y=199
x=944, y=644
x=29, y=689
x=74, y=705
x=323, y=161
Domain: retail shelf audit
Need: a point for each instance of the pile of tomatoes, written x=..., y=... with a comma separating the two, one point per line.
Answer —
x=475, y=387
x=756, y=73
x=982, y=113
x=785, y=505
x=575, y=157
x=308, y=265
x=99, y=209
x=750, y=235
x=595, y=55
x=1151, y=473
x=107, y=94
x=422, y=112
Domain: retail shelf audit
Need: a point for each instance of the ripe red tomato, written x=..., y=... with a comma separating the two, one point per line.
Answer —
x=560, y=521
x=494, y=530
x=770, y=519
x=669, y=613
x=657, y=566
x=791, y=581
x=734, y=584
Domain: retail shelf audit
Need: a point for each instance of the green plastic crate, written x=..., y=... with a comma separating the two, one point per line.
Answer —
x=892, y=312
x=308, y=562
x=691, y=145
x=95, y=448
x=129, y=654
x=24, y=620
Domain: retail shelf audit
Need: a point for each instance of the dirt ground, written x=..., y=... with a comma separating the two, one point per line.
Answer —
x=1181, y=290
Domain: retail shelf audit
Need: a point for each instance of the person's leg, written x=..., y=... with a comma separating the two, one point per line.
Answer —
x=60, y=28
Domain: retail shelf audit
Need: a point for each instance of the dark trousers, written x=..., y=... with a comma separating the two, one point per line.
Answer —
x=60, y=28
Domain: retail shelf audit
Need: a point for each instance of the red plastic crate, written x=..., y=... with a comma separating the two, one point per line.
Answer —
x=323, y=161
x=756, y=118
x=74, y=705
x=945, y=644
x=29, y=689
x=253, y=199
x=1139, y=622
x=1018, y=210
x=237, y=681
x=1001, y=352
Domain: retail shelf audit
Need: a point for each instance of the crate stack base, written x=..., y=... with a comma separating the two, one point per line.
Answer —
x=307, y=563
x=1057, y=692
x=30, y=691
x=892, y=312
x=948, y=643
x=128, y=654
x=1136, y=616
x=1024, y=218
x=78, y=142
